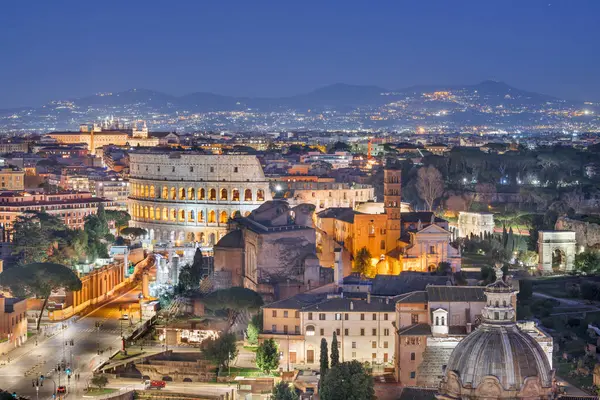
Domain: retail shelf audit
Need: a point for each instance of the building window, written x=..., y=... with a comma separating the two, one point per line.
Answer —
x=297, y=330
x=353, y=354
x=373, y=345
x=338, y=316
x=374, y=317
x=385, y=345
x=496, y=315
x=285, y=314
x=337, y=331
x=322, y=332
x=273, y=328
x=321, y=317
x=274, y=313
x=374, y=331
x=362, y=331
x=310, y=330
x=191, y=169
x=353, y=345
x=412, y=356
x=413, y=374
x=297, y=314
x=431, y=249
x=309, y=316
x=414, y=318
x=362, y=317
x=346, y=332
x=385, y=317
x=346, y=316
x=373, y=356
x=212, y=169
x=382, y=245
x=235, y=169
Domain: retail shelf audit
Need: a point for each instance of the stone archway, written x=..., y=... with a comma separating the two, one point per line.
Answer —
x=556, y=251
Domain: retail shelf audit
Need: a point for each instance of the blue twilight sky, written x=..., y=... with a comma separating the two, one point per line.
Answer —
x=56, y=49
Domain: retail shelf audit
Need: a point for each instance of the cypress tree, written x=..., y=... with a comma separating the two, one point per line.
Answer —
x=324, y=358
x=335, y=352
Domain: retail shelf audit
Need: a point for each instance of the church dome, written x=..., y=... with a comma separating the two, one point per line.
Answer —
x=497, y=360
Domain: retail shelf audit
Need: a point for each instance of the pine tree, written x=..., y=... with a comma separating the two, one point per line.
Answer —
x=335, y=352
x=324, y=358
x=510, y=243
x=504, y=236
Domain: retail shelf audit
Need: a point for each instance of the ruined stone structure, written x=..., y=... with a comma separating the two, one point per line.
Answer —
x=556, y=251
x=274, y=244
x=190, y=197
x=587, y=234
x=474, y=223
x=178, y=367
x=497, y=360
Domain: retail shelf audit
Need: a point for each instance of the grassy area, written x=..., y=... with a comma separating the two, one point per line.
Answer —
x=563, y=370
x=245, y=372
x=251, y=348
x=100, y=392
x=30, y=334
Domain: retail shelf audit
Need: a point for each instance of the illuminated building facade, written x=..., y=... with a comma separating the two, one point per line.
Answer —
x=190, y=196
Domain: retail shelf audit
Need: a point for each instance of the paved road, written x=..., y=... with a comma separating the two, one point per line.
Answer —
x=179, y=387
x=30, y=361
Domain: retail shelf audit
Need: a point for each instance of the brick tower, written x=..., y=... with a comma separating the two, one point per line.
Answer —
x=392, y=189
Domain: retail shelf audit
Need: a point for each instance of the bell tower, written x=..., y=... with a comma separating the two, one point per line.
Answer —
x=392, y=188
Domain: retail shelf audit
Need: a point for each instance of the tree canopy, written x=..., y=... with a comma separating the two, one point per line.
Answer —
x=234, y=301
x=267, y=356
x=191, y=274
x=362, y=261
x=283, y=391
x=323, y=358
x=347, y=381
x=221, y=350
x=335, y=351
x=430, y=185
x=34, y=235
x=39, y=280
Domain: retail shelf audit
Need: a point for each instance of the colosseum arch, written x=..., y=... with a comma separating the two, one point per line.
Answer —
x=212, y=194
x=556, y=251
x=212, y=218
x=152, y=191
x=173, y=214
x=200, y=237
x=200, y=216
x=211, y=239
x=247, y=195
x=151, y=213
x=223, y=217
x=165, y=193
x=181, y=215
x=191, y=193
x=146, y=191
x=157, y=213
x=181, y=193
x=173, y=194
x=260, y=195
x=191, y=216
x=223, y=194
x=165, y=214
x=235, y=195
x=201, y=194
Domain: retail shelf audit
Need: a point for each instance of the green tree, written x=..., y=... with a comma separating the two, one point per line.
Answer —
x=119, y=218
x=335, y=351
x=133, y=232
x=221, y=350
x=34, y=235
x=191, y=274
x=587, y=261
x=340, y=146
x=39, y=280
x=347, y=381
x=589, y=290
x=283, y=391
x=362, y=261
x=99, y=381
x=267, y=356
x=323, y=358
x=254, y=328
x=233, y=301
x=444, y=268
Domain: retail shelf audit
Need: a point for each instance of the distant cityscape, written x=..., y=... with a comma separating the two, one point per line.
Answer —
x=489, y=107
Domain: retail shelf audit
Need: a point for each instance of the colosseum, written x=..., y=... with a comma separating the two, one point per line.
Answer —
x=189, y=196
